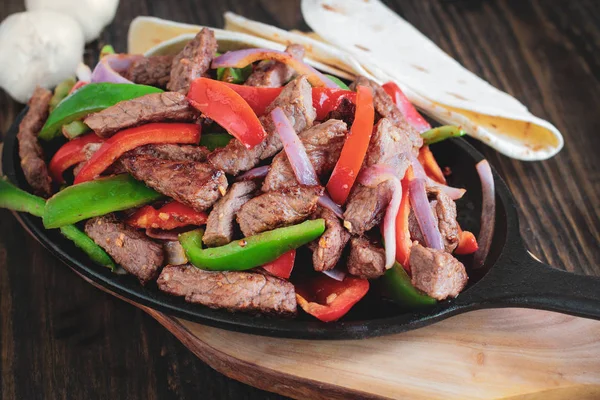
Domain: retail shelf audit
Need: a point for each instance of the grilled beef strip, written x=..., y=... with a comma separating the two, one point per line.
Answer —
x=344, y=111
x=386, y=108
x=192, y=183
x=173, y=152
x=155, y=107
x=152, y=71
x=278, y=208
x=366, y=206
x=296, y=101
x=436, y=272
x=193, y=61
x=323, y=144
x=444, y=214
x=232, y=290
x=219, y=226
x=366, y=260
x=328, y=249
x=130, y=248
x=31, y=153
x=270, y=73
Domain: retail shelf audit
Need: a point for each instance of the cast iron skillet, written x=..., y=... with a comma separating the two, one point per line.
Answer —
x=509, y=278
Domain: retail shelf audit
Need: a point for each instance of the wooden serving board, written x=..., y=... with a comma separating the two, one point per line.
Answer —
x=486, y=354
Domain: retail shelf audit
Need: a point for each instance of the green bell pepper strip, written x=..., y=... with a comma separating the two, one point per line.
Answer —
x=252, y=251
x=94, y=198
x=106, y=50
x=74, y=129
x=234, y=75
x=441, y=133
x=338, y=81
x=60, y=92
x=90, y=98
x=16, y=199
x=399, y=288
x=215, y=140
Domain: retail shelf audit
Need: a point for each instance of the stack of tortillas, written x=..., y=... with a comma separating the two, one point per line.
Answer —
x=357, y=37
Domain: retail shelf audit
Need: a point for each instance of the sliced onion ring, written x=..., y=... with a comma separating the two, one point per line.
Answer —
x=419, y=171
x=242, y=58
x=336, y=274
x=372, y=177
x=326, y=202
x=488, y=213
x=254, y=173
x=424, y=214
x=109, y=68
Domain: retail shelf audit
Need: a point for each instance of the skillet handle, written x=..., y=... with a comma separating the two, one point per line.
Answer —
x=525, y=282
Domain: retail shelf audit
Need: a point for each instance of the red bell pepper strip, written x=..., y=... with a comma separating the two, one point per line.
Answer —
x=170, y=216
x=355, y=148
x=409, y=111
x=77, y=86
x=131, y=138
x=467, y=243
x=328, y=299
x=324, y=99
x=403, y=242
x=69, y=154
x=282, y=267
x=227, y=108
x=432, y=169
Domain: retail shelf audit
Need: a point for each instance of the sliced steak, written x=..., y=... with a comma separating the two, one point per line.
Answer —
x=328, y=249
x=278, y=208
x=193, y=61
x=323, y=144
x=436, y=272
x=386, y=108
x=234, y=291
x=155, y=107
x=192, y=183
x=366, y=260
x=88, y=151
x=31, y=153
x=219, y=227
x=366, y=206
x=444, y=215
x=173, y=152
x=344, y=111
x=153, y=71
x=269, y=73
x=130, y=248
x=296, y=101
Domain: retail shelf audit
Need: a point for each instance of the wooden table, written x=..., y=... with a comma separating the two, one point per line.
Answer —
x=61, y=338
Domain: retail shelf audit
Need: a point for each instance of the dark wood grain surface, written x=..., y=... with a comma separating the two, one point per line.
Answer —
x=62, y=338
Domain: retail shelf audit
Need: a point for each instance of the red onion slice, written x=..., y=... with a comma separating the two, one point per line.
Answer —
x=326, y=202
x=254, y=173
x=372, y=177
x=242, y=58
x=424, y=214
x=419, y=171
x=488, y=213
x=336, y=274
x=109, y=68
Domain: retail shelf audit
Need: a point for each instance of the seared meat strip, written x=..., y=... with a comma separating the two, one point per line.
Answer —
x=436, y=272
x=30, y=151
x=234, y=291
x=444, y=214
x=385, y=107
x=130, y=248
x=279, y=208
x=192, y=183
x=152, y=71
x=155, y=107
x=270, y=73
x=296, y=101
x=366, y=260
x=365, y=207
x=323, y=144
x=173, y=152
x=193, y=61
x=327, y=250
x=344, y=111
x=219, y=227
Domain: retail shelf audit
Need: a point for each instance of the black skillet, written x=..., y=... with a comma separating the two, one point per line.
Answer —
x=509, y=278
